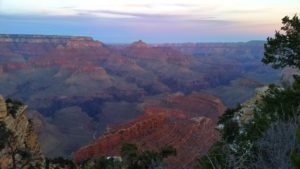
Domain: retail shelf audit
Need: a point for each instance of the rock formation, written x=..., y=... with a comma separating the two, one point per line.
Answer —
x=22, y=141
x=3, y=110
x=185, y=122
x=245, y=114
x=140, y=44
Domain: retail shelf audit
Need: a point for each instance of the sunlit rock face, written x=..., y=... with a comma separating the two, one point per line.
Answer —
x=185, y=122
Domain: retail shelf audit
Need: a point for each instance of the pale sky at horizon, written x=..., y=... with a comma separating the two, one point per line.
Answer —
x=154, y=21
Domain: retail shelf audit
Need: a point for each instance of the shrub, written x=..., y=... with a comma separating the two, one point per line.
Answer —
x=132, y=158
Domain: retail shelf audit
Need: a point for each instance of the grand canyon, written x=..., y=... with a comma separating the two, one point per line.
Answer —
x=149, y=84
x=86, y=97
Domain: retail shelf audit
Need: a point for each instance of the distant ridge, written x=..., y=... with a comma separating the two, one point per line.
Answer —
x=24, y=38
x=40, y=36
x=206, y=43
x=139, y=44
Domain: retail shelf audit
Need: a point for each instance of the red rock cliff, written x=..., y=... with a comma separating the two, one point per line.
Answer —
x=191, y=131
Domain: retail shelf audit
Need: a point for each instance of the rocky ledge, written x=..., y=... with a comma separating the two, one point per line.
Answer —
x=21, y=149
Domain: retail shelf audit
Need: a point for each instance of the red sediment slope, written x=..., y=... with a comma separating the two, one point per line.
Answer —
x=185, y=122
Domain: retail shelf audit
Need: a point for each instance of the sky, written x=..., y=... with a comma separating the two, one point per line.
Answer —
x=154, y=21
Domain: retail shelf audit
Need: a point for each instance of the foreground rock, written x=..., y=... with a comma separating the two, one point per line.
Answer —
x=19, y=147
x=22, y=141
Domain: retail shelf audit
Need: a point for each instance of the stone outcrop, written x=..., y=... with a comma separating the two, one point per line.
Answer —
x=3, y=110
x=245, y=114
x=23, y=139
x=164, y=123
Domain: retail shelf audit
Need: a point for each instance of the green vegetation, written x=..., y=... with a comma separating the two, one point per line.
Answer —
x=131, y=158
x=60, y=162
x=268, y=138
x=284, y=49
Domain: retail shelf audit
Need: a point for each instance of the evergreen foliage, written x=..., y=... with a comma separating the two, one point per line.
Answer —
x=60, y=162
x=284, y=49
x=214, y=159
x=105, y=163
x=167, y=151
x=132, y=158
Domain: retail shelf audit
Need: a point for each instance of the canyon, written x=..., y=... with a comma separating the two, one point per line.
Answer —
x=77, y=86
x=185, y=122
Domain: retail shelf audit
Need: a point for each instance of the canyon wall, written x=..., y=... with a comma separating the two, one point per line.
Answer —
x=190, y=129
x=78, y=80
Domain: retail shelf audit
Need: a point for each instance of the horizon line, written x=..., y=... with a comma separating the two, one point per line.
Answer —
x=124, y=43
